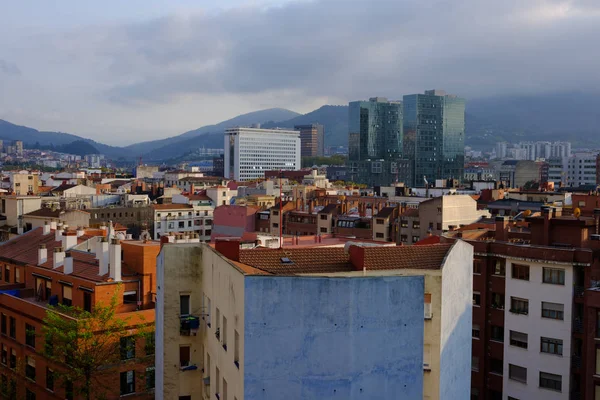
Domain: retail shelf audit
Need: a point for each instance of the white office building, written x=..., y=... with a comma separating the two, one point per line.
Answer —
x=582, y=169
x=249, y=152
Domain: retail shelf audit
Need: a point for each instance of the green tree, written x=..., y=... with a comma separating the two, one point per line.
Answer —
x=88, y=344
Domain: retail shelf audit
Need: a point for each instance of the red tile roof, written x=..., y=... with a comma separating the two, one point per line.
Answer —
x=405, y=257
x=433, y=239
x=410, y=212
x=303, y=260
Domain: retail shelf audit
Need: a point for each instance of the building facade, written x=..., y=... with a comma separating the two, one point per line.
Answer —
x=312, y=140
x=249, y=152
x=434, y=135
x=582, y=169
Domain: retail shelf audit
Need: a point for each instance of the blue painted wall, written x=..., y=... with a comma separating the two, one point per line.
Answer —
x=333, y=338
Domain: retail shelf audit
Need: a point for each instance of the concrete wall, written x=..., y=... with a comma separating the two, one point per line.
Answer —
x=457, y=312
x=334, y=338
x=535, y=327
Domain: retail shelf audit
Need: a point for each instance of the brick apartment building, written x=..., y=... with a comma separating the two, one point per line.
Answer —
x=536, y=306
x=76, y=268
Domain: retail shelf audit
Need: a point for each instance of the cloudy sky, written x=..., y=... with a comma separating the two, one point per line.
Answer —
x=126, y=71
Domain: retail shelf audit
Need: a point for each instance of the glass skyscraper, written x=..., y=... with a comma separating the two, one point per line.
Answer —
x=434, y=135
x=375, y=142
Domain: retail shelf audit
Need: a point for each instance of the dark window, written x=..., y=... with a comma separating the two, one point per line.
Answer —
x=184, y=356
x=475, y=331
x=554, y=276
x=3, y=324
x=520, y=272
x=518, y=339
x=127, y=382
x=130, y=297
x=476, y=299
x=551, y=346
x=323, y=216
x=4, y=358
x=13, y=359
x=150, y=378
x=552, y=310
x=67, y=295
x=69, y=390
x=30, y=368
x=7, y=273
x=403, y=223
x=416, y=225
x=127, y=346
x=496, y=366
x=415, y=239
x=49, y=379
x=497, y=301
x=184, y=304
x=323, y=230
x=500, y=268
x=519, y=306
x=149, y=344
x=379, y=221
x=379, y=235
x=477, y=266
x=30, y=335
x=439, y=226
x=13, y=328
x=29, y=395
x=551, y=381
x=497, y=333
x=87, y=301
x=517, y=373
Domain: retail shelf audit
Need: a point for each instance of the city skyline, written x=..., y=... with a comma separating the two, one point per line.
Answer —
x=62, y=70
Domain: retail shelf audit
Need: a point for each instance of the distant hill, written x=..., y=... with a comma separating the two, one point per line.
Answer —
x=32, y=138
x=149, y=150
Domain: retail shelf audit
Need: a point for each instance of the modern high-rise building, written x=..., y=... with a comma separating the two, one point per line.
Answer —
x=582, y=169
x=312, y=140
x=19, y=147
x=434, y=135
x=375, y=142
x=249, y=152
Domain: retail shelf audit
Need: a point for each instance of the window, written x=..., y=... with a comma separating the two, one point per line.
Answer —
x=7, y=273
x=427, y=306
x=323, y=230
x=236, y=349
x=218, y=380
x=500, y=268
x=517, y=373
x=550, y=381
x=224, y=333
x=554, y=276
x=13, y=328
x=475, y=331
x=379, y=235
x=497, y=301
x=149, y=343
x=439, y=226
x=49, y=379
x=403, y=238
x=29, y=395
x=476, y=299
x=497, y=333
x=520, y=272
x=519, y=306
x=415, y=239
x=127, y=347
x=403, y=223
x=67, y=295
x=323, y=216
x=275, y=225
x=30, y=335
x=130, y=297
x=477, y=266
x=18, y=274
x=474, y=363
x=184, y=356
x=87, y=301
x=127, y=382
x=30, y=368
x=416, y=225
x=518, y=339
x=150, y=378
x=551, y=346
x=4, y=358
x=184, y=304
x=3, y=324
x=13, y=359
x=496, y=366
x=552, y=310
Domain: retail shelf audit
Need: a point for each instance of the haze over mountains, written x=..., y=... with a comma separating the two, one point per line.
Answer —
x=561, y=116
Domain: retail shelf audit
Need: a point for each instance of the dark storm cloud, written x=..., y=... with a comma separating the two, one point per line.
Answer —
x=349, y=49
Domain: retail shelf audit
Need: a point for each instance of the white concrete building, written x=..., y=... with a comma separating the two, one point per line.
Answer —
x=249, y=152
x=537, y=330
x=582, y=169
x=194, y=215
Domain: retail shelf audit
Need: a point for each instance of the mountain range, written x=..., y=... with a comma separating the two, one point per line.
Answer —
x=561, y=116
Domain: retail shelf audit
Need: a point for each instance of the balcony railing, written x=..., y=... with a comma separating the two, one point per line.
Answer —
x=189, y=325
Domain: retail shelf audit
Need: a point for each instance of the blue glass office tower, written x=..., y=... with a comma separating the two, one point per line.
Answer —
x=434, y=135
x=375, y=141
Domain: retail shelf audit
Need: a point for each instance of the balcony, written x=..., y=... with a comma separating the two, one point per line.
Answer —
x=577, y=325
x=189, y=325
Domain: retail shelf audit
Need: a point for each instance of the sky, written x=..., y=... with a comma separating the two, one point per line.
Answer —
x=122, y=72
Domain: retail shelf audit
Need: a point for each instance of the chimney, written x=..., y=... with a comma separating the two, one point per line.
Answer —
x=311, y=206
x=68, y=262
x=557, y=212
x=59, y=257
x=357, y=257
x=195, y=238
x=103, y=255
x=42, y=254
x=115, y=260
x=502, y=224
x=80, y=231
x=192, y=189
x=69, y=240
x=229, y=248
x=129, y=236
x=547, y=214
x=46, y=228
x=58, y=233
x=53, y=225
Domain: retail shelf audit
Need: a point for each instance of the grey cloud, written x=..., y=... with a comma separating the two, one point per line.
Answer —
x=9, y=68
x=352, y=49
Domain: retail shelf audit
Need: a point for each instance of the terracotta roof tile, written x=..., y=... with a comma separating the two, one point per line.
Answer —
x=410, y=212
x=405, y=257
x=303, y=260
x=433, y=239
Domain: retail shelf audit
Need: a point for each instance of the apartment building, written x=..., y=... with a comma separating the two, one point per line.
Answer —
x=438, y=215
x=582, y=169
x=232, y=323
x=536, y=307
x=13, y=208
x=38, y=218
x=24, y=184
x=312, y=140
x=80, y=268
x=250, y=152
